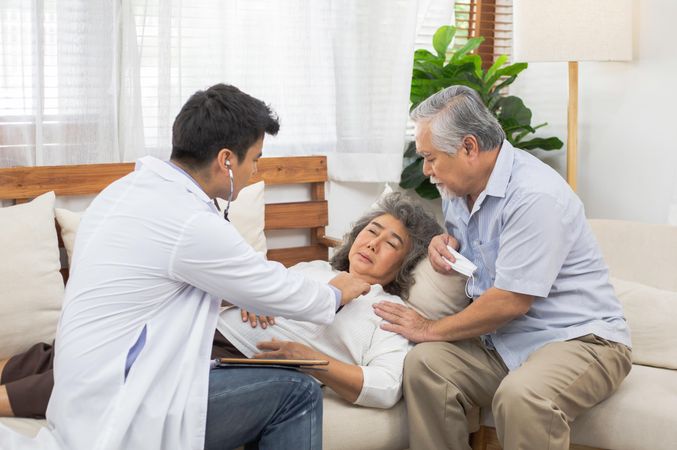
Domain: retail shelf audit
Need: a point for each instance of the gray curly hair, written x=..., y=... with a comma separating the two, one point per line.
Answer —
x=420, y=225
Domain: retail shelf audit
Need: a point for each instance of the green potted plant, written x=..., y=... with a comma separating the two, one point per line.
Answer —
x=432, y=73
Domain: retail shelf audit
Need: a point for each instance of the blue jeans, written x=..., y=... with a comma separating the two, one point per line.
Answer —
x=273, y=408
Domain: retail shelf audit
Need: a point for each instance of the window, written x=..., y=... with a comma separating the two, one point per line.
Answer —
x=491, y=19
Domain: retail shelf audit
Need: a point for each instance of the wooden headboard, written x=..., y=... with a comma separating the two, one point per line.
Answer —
x=21, y=184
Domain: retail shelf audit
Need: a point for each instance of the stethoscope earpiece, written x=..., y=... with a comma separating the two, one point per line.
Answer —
x=232, y=187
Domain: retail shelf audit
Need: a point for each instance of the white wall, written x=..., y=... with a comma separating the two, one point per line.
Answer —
x=627, y=120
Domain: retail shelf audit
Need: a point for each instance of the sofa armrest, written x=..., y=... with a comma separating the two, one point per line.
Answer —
x=329, y=242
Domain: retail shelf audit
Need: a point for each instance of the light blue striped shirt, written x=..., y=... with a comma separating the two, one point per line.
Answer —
x=527, y=233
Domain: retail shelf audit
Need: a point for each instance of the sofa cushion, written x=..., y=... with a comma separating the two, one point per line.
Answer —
x=624, y=244
x=639, y=415
x=435, y=295
x=31, y=287
x=248, y=214
x=28, y=427
x=349, y=427
x=652, y=317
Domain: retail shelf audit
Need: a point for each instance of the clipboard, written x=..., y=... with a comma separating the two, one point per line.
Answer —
x=306, y=364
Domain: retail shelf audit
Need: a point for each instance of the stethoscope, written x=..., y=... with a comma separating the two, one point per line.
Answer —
x=230, y=195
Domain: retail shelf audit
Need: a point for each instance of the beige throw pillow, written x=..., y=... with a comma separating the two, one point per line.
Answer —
x=248, y=215
x=435, y=295
x=68, y=222
x=652, y=317
x=31, y=287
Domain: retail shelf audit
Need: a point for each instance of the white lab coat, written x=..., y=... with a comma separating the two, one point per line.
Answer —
x=153, y=251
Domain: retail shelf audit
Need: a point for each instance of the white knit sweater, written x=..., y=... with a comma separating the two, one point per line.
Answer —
x=355, y=337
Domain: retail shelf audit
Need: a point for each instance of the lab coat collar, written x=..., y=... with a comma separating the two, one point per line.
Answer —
x=167, y=172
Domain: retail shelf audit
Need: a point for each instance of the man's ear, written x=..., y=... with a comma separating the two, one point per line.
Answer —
x=470, y=145
x=225, y=158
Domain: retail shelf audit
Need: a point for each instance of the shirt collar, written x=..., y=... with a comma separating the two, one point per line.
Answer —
x=172, y=173
x=500, y=176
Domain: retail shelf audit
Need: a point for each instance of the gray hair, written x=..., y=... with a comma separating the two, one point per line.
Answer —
x=456, y=112
x=420, y=225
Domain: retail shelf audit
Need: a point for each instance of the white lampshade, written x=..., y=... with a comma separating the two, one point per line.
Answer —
x=572, y=30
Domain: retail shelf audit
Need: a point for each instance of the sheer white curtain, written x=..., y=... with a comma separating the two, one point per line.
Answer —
x=337, y=72
x=58, y=96
x=84, y=81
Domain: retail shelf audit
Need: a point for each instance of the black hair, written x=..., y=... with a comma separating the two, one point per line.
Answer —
x=220, y=117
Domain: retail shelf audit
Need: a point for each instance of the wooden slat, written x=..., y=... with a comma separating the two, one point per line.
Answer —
x=328, y=241
x=486, y=439
x=88, y=179
x=29, y=182
x=296, y=215
x=291, y=170
x=295, y=255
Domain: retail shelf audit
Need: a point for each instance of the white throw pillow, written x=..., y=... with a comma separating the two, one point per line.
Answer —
x=435, y=295
x=31, y=286
x=248, y=215
x=652, y=317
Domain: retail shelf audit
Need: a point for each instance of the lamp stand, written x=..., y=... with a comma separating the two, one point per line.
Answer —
x=572, y=125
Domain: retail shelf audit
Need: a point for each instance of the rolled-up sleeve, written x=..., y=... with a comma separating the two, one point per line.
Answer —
x=382, y=370
x=533, y=245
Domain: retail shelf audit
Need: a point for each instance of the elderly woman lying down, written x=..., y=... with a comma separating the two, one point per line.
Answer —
x=365, y=361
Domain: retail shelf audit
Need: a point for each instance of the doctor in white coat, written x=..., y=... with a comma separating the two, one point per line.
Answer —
x=152, y=260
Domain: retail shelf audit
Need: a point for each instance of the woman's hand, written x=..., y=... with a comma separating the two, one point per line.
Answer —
x=253, y=319
x=275, y=349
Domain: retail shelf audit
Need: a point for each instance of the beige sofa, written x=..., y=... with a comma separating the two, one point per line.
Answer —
x=641, y=415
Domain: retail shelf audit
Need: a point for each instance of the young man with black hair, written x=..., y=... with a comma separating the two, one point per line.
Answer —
x=152, y=260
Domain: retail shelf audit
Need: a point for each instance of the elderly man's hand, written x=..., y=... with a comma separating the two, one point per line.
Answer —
x=404, y=321
x=438, y=249
x=275, y=349
x=253, y=319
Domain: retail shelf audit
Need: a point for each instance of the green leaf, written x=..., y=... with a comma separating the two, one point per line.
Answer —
x=513, y=112
x=442, y=38
x=469, y=46
x=551, y=143
x=410, y=150
x=512, y=69
x=412, y=175
x=495, y=66
x=427, y=190
x=466, y=68
x=507, y=71
x=427, y=69
x=507, y=82
x=422, y=55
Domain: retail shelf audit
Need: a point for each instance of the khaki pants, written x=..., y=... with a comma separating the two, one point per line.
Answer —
x=532, y=405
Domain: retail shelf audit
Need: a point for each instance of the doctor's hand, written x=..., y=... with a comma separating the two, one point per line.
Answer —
x=350, y=286
x=253, y=319
x=438, y=249
x=404, y=321
x=275, y=349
